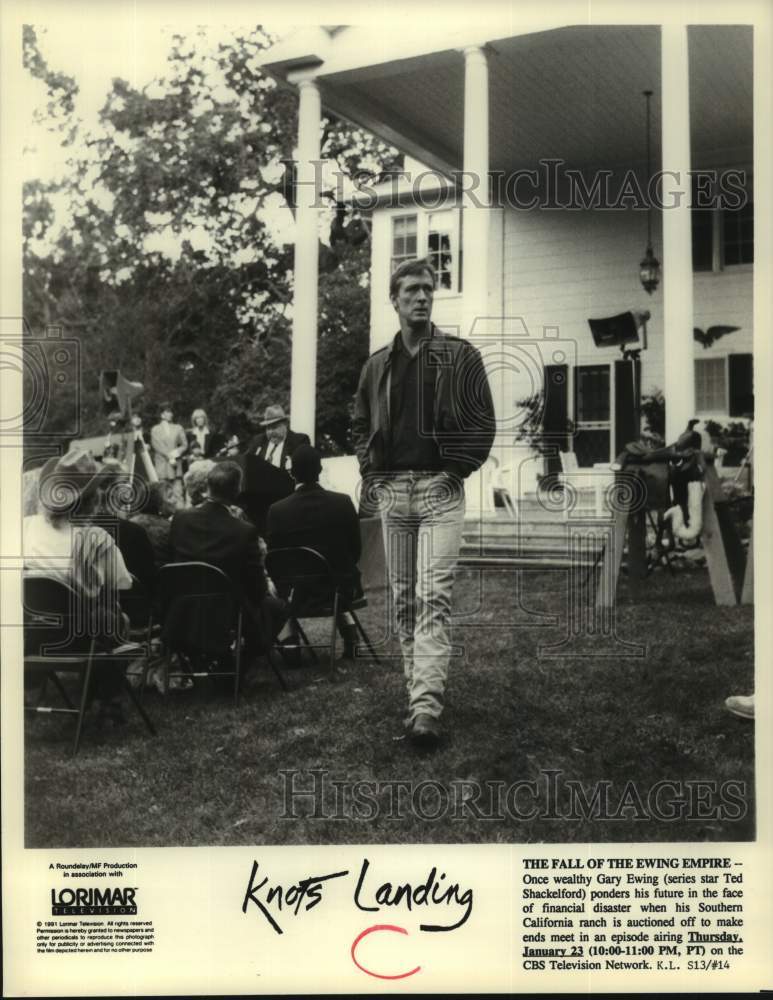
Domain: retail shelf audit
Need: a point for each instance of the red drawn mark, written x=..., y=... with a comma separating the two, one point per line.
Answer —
x=371, y=930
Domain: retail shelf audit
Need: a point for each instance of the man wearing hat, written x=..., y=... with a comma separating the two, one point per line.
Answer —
x=277, y=442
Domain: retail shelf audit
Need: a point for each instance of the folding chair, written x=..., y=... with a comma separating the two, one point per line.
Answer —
x=305, y=576
x=54, y=616
x=202, y=620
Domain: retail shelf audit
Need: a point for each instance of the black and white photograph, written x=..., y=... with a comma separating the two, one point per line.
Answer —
x=384, y=467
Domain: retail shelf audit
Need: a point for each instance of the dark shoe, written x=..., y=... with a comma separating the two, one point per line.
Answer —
x=426, y=732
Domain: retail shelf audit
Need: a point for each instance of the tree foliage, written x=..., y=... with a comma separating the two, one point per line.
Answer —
x=170, y=267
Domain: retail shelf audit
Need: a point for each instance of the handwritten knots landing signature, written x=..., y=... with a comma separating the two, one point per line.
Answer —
x=307, y=889
x=275, y=901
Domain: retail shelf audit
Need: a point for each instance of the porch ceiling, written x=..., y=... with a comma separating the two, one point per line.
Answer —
x=573, y=93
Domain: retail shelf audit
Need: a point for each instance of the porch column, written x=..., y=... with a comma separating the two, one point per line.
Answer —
x=679, y=383
x=303, y=386
x=475, y=198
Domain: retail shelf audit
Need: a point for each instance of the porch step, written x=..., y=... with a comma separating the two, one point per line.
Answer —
x=530, y=548
x=522, y=562
x=531, y=510
x=528, y=542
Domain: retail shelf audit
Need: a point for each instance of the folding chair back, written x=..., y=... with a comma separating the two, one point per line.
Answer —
x=305, y=578
x=201, y=616
x=54, y=617
x=61, y=635
x=198, y=608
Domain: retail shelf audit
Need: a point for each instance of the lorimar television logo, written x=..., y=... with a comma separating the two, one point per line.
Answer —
x=70, y=902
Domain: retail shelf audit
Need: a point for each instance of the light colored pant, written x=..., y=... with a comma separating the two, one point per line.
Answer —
x=423, y=518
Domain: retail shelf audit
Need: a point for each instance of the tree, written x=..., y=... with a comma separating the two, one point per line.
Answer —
x=170, y=267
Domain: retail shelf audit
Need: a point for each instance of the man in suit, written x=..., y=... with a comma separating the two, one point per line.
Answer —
x=319, y=519
x=277, y=442
x=169, y=444
x=210, y=533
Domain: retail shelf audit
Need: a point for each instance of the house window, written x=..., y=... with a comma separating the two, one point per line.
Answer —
x=722, y=237
x=702, y=239
x=738, y=235
x=592, y=438
x=434, y=235
x=592, y=393
x=710, y=385
x=440, y=237
x=725, y=385
x=404, y=235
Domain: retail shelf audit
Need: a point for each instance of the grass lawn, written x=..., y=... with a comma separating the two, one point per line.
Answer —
x=572, y=725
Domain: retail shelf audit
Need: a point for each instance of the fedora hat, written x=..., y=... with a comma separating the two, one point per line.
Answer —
x=66, y=480
x=274, y=415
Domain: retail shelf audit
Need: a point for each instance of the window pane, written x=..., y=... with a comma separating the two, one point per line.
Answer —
x=702, y=240
x=710, y=390
x=738, y=235
x=591, y=446
x=592, y=393
x=403, y=237
x=439, y=247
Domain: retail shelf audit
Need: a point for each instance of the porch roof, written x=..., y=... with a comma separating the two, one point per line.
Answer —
x=572, y=93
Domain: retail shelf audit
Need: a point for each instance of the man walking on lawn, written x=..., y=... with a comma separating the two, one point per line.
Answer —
x=423, y=421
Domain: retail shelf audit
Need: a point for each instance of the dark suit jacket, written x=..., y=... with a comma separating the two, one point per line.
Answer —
x=137, y=551
x=212, y=442
x=211, y=534
x=322, y=520
x=259, y=446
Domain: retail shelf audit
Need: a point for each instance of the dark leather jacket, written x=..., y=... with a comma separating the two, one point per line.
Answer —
x=464, y=421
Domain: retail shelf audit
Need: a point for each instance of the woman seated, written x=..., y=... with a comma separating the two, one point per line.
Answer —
x=60, y=542
x=118, y=492
x=195, y=481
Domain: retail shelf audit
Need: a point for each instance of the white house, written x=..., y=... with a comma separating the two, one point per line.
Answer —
x=555, y=119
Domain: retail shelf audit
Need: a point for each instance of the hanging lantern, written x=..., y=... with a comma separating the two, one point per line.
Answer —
x=649, y=271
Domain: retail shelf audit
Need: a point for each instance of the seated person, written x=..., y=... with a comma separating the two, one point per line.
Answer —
x=320, y=519
x=154, y=514
x=195, y=481
x=115, y=492
x=61, y=543
x=195, y=454
x=231, y=448
x=210, y=533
